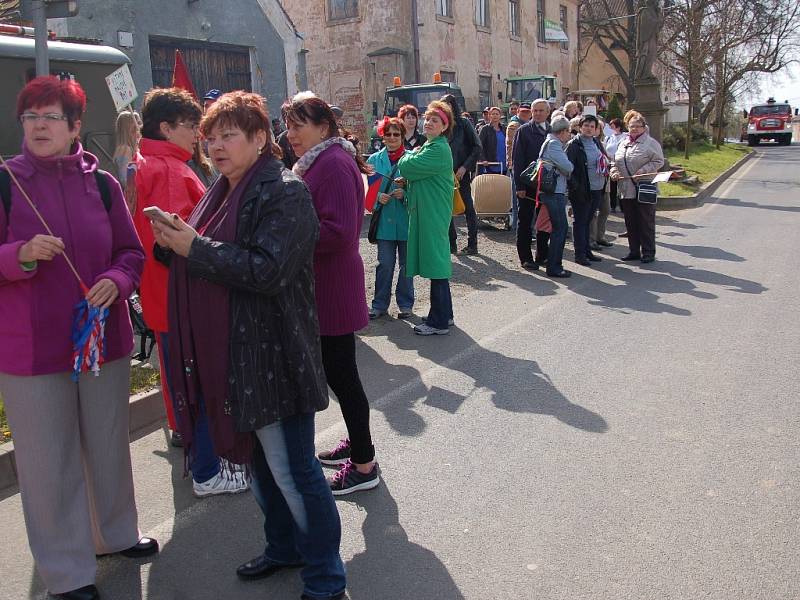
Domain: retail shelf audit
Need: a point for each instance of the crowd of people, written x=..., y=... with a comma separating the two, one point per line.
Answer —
x=241, y=234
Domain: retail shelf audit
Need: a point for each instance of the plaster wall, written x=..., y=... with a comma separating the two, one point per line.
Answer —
x=257, y=24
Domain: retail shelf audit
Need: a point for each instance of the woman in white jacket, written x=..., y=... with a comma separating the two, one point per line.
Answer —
x=636, y=160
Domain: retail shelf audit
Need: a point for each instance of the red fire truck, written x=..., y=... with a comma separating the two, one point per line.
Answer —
x=772, y=120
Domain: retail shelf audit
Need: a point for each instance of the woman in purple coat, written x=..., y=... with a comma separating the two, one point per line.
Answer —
x=332, y=168
x=71, y=439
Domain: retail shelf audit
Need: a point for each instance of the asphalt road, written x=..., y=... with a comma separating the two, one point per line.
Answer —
x=629, y=433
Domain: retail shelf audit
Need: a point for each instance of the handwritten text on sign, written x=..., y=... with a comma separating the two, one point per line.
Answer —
x=120, y=84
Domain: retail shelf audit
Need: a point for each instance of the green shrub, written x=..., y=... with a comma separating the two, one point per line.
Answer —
x=674, y=136
x=614, y=110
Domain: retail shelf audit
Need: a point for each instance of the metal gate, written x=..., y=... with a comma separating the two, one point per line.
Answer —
x=211, y=66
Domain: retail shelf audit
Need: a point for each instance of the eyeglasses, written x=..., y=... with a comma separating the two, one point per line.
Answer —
x=392, y=134
x=195, y=127
x=49, y=118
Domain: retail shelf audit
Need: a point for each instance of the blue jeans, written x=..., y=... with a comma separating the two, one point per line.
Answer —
x=557, y=207
x=465, y=188
x=441, y=304
x=388, y=250
x=301, y=522
x=203, y=462
x=582, y=213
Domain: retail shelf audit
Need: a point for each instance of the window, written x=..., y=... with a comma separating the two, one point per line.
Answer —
x=449, y=76
x=513, y=17
x=482, y=13
x=484, y=90
x=562, y=13
x=540, y=21
x=342, y=9
x=444, y=8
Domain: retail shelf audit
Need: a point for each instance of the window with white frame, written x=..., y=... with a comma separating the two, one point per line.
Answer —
x=513, y=17
x=482, y=13
x=342, y=9
x=444, y=8
x=449, y=76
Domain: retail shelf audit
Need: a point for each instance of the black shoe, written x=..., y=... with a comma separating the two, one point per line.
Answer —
x=87, y=592
x=469, y=250
x=594, y=246
x=583, y=261
x=530, y=265
x=176, y=439
x=631, y=256
x=563, y=273
x=604, y=243
x=648, y=259
x=145, y=547
x=594, y=258
x=261, y=567
x=340, y=596
x=623, y=234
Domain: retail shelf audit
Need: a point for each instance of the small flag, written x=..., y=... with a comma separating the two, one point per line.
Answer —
x=373, y=187
x=88, y=338
x=180, y=75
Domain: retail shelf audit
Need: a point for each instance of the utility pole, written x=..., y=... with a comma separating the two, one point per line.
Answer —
x=415, y=39
x=39, y=14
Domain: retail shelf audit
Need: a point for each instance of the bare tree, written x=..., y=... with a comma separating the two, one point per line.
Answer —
x=611, y=26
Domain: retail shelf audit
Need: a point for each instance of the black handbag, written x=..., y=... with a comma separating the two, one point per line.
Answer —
x=375, y=217
x=541, y=174
x=646, y=193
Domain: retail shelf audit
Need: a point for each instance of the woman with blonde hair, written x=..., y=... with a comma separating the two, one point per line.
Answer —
x=127, y=133
x=428, y=177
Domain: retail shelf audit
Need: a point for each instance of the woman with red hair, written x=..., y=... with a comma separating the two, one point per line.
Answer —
x=409, y=115
x=71, y=439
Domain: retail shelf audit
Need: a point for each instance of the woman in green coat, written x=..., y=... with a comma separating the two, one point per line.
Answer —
x=428, y=175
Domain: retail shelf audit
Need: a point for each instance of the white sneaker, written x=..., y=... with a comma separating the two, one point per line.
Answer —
x=224, y=482
x=425, y=329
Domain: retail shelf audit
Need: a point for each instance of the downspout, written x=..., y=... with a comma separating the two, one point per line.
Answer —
x=415, y=38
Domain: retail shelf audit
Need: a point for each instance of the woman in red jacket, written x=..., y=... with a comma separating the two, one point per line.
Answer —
x=171, y=121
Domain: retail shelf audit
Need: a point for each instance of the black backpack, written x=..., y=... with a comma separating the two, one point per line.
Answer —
x=134, y=307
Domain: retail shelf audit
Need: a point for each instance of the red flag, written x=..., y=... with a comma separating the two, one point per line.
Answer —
x=180, y=75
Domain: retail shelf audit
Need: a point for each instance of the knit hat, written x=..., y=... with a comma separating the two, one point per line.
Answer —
x=559, y=124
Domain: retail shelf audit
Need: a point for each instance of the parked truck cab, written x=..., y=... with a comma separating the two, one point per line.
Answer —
x=772, y=120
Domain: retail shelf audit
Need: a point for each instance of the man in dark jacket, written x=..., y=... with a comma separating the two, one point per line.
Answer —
x=527, y=143
x=585, y=185
x=466, y=149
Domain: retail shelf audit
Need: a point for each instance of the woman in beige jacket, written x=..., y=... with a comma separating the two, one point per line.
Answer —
x=636, y=159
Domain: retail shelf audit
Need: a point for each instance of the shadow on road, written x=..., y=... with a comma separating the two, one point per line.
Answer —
x=515, y=384
x=706, y=252
x=392, y=566
x=750, y=204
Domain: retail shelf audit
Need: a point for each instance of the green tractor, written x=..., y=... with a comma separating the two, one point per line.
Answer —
x=529, y=88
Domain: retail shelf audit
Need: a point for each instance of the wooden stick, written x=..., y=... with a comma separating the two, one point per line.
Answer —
x=653, y=174
x=41, y=218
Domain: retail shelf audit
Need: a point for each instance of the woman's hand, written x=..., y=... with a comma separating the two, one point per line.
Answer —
x=178, y=240
x=460, y=173
x=103, y=293
x=400, y=182
x=384, y=198
x=397, y=194
x=40, y=247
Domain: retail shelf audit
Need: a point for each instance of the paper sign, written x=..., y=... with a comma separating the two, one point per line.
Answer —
x=590, y=109
x=120, y=84
x=664, y=176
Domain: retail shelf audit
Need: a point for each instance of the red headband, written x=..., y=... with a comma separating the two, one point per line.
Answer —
x=381, y=128
x=442, y=116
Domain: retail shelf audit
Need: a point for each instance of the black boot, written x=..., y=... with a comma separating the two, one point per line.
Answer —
x=542, y=244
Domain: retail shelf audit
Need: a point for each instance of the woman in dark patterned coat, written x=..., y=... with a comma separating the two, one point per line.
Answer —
x=242, y=286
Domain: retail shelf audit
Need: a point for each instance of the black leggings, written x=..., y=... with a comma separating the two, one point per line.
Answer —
x=339, y=361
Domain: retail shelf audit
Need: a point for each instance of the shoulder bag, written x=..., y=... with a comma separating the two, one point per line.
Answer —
x=541, y=174
x=646, y=192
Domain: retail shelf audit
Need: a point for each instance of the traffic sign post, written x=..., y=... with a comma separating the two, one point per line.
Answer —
x=38, y=11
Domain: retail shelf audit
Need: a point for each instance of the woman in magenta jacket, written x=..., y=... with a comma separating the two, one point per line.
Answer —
x=71, y=439
x=331, y=168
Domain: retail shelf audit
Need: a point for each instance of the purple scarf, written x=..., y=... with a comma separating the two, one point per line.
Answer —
x=199, y=329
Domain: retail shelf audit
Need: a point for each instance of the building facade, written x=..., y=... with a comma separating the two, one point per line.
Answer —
x=250, y=45
x=356, y=48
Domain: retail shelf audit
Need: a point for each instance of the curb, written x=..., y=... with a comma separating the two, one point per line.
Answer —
x=682, y=202
x=145, y=409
